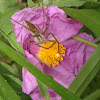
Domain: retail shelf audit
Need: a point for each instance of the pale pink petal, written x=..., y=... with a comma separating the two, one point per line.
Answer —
x=77, y=53
x=60, y=74
x=29, y=82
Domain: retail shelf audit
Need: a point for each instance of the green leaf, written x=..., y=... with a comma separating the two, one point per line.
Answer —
x=90, y=5
x=11, y=38
x=68, y=3
x=88, y=17
x=14, y=82
x=6, y=91
x=37, y=1
x=5, y=23
x=25, y=97
x=5, y=68
x=44, y=90
x=88, y=31
x=93, y=96
x=6, y=28
x=62, y=99
x=30, y=3
x=66, y=94
x=91, y=0
x=87, y=73
x=18, y=70
x=1, y=98
x=6, y=4
x=96, y=85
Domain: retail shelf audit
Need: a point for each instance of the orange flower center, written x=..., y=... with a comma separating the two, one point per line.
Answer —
x=52, y=55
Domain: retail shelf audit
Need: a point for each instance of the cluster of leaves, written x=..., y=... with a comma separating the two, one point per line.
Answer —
x=86, y=84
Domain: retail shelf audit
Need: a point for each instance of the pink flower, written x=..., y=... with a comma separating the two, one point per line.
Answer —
x=66, y=61
x=59, y=23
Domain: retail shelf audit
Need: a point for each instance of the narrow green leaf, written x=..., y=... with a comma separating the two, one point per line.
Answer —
x=68, y=3
x=11, y=38
x=43, y=89
x=18, y=70
x=1, y=98
x=88, y=17
x=5, y=68
x=97, y=85
x=25, y=97
x=14, y=82
x=93, y=96
x=62, y=99
x=90, y=5
x=87, y=73
x=6, y=91
x=66, y=94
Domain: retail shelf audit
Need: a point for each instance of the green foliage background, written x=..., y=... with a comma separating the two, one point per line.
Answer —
x=86, y=85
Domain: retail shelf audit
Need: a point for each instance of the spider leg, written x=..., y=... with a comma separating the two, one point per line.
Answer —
x=43, y=16
x=54, y=41
x=19, y=23
x=28, y=43
x=45, y=47
x=54, y=38
x=34, y=44
x=39, y=44
x=45, y=29
x=52, y=44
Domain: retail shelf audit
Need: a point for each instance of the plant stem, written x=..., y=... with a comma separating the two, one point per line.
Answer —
x=85, y=41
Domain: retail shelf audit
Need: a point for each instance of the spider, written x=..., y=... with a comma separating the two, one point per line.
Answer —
x=39, y=38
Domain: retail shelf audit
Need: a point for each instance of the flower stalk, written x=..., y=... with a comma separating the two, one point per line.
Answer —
x=85, y=41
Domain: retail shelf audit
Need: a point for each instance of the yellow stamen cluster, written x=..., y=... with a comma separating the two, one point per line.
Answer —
x=52, y=55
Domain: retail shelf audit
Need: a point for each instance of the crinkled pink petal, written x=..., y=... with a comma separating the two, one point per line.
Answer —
x=59, y=24
x=29, y=82
x=63, y=30
x=31, y=47
x=60, y=74
x=33, y=15
x=33, y=60
x=77, y=53
x=75, y=58
x=54, y=10
x=53, y=95
x=18, y=16
x=18, y=29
